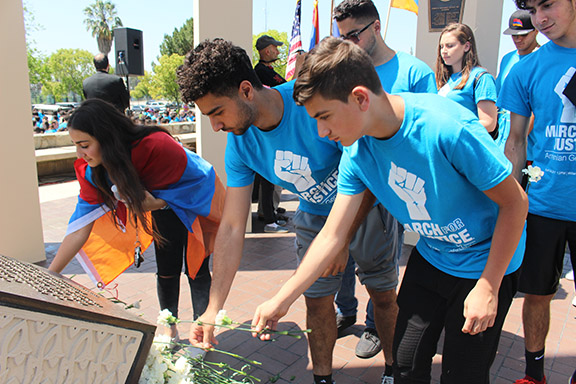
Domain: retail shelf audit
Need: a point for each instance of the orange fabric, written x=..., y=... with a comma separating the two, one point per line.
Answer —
x=110, y=250
x=201, y=241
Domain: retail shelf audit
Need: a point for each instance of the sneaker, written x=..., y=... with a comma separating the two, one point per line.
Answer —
x=275, y=228
x=343, y=322
x=387, y=379
x=282, y=217
x=569, y=276
x=529, y=380
x=280, y=210
x=369, y=344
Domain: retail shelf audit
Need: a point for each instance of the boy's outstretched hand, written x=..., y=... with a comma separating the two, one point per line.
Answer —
x=266, y=317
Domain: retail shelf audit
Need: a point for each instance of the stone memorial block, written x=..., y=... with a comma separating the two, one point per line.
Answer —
x=53, y=330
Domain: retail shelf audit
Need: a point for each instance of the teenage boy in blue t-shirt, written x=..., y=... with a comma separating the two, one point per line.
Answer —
x=272, y=136
x=359, y=22
x=537, y=85
x=413, y=152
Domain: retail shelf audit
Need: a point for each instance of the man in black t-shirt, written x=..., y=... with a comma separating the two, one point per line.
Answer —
x=264, y=191
x=268, y=49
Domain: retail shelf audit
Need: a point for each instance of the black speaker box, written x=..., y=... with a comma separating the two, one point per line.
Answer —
x=129, y=52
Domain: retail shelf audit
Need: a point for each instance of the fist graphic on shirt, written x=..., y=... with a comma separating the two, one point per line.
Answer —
x=410, y=188
x=569, y=110
x=293, y=169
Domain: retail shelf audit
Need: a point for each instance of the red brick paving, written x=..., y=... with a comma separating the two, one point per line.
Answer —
x=268, y=262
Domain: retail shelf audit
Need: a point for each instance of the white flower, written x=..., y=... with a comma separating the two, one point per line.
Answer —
x=182, y=366
x=162, y=342
x=165, y=318
x=155, y=367
x=534, y=173
x=222, y=318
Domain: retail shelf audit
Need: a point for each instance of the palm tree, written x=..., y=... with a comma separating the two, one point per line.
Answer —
x=101, y=20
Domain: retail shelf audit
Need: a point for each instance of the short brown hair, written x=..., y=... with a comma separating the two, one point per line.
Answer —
x=333, y=69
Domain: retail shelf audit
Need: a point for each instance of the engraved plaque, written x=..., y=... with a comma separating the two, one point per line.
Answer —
x=444, y=12
x=53, y=330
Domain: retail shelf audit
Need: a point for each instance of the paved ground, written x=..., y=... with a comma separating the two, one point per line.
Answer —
x=268, y=261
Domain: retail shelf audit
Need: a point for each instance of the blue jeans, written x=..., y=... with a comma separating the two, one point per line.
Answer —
x=346, y=301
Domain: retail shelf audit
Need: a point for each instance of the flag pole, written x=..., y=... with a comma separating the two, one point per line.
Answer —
x=331, y=17
x=387, y=19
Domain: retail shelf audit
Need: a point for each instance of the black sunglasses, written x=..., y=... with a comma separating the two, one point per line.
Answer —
x=354, y=37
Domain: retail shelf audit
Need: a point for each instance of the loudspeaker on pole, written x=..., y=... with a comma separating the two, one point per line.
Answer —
x=129, y=52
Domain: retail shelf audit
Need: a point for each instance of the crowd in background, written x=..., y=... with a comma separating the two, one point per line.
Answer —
x=57, y=121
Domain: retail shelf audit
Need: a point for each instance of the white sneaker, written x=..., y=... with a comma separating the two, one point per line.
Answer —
x=275, y=228
x=387, y=380
x=574, y=301
x=570, y=276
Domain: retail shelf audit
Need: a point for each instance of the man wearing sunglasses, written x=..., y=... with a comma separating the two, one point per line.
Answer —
x=359, y=22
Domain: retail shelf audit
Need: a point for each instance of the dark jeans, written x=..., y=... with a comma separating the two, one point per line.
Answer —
x=431, y=301
x=267, y=197
x=170, y=257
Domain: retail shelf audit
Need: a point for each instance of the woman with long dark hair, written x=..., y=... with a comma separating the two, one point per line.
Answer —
x=460, y=77
x=142, y=168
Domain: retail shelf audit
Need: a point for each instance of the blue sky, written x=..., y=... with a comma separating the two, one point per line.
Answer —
x=63, y=27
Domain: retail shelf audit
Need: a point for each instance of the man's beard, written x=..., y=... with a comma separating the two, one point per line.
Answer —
x=246, y=117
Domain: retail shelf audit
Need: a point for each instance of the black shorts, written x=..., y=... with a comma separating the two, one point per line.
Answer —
x=431, y=301
x=544, y=257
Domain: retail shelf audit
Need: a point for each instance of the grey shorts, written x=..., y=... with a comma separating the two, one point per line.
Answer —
x=374, y=248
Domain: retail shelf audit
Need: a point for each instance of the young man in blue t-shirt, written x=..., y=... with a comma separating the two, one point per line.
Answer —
x=523, y=35
x=272, y=136
x=413, y=153
x=359, y=22
x=538, y=85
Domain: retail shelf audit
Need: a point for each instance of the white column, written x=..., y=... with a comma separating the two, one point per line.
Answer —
x=483, y=16
x=230, y=20
x=20, y=222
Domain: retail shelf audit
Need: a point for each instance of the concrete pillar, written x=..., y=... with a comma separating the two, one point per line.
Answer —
x=230, y=20
x=20, y=222
x=483, y=16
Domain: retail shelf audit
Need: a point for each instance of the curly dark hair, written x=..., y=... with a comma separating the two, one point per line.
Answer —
x=116, y=134
x=216, y=67
x=358, y=9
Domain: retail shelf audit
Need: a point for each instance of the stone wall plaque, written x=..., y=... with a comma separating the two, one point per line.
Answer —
x=53, y=330
x=444, y=12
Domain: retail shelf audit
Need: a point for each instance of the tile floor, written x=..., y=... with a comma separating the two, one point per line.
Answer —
x=268, y=261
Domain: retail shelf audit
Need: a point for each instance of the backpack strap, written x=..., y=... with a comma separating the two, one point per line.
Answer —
x=478, y=76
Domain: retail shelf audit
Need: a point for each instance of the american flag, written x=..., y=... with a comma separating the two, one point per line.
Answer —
x=295, y=44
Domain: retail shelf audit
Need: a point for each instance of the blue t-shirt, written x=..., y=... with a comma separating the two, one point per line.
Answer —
x=406, y=73
x=292, y=155
x=535, y=85
x=471, y=95
x=506, y=64
x=431, y=176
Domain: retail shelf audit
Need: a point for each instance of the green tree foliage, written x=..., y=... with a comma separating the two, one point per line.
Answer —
x=181, y=41
x=163, y=82
x=280, y=64
x=142, y=89
x=37, y=70
x=101, y=19
x=66, y=69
